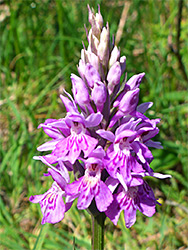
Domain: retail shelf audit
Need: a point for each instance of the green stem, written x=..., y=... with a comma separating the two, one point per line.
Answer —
x=98, y=231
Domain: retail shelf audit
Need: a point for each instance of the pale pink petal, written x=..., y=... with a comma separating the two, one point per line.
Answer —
x=108, y=135
x=50, y=145
x=93, y=120
x=104, y=197
x=73, y=188
x=54, y=211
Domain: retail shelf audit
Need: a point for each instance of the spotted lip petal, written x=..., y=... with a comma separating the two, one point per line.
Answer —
x=67, y=149
x=90, y=186
x=85, y=198
x=52, y=205
x=119, y=166
x=104, y=197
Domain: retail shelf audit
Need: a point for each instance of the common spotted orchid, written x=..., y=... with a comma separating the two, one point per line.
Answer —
x=103, y=140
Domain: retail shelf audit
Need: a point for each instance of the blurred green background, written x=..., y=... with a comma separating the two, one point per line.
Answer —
x=40, y=44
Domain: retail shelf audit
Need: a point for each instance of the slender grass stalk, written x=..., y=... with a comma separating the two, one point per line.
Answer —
x=98, y=231
x=41, y=237
x=15, y=37
x=61, y=30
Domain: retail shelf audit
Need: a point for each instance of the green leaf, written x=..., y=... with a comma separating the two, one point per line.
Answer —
x=41, y=237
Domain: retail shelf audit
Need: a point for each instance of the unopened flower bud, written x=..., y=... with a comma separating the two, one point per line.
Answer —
x=126, y=105
x=84, y=56
x=93, y=60
x=134, y=81
x=96, y=22
x=91, y=75
x=113, y=77
x=99, y=18
x=122, y=63
x=115, y=54
x=81, y=68
x=129, y=101
x=80, y=92
x=98, y=95
x=103, y=48
x=91, y=15
x=93, y=42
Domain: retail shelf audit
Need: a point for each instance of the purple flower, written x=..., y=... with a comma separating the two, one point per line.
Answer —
x=135, y=198
x=125, y=105
x=51, y=202
x=120, y=162
x=79, y=138
x=126, y=154
x=91, y=186
x=52, y=205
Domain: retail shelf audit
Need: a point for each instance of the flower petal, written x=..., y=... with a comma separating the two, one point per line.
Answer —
x=52, y=205
x=50, y=145
x=87, y=144
x=108, y=135
x=93, y=120
x=130, y=214
x=73, y=188
x=104, y=198
x=113, y=211
x=54, y=212
x=144, y=106
x=85, y=198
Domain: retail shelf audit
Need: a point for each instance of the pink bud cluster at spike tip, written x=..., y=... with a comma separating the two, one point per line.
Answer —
x=103, y=140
